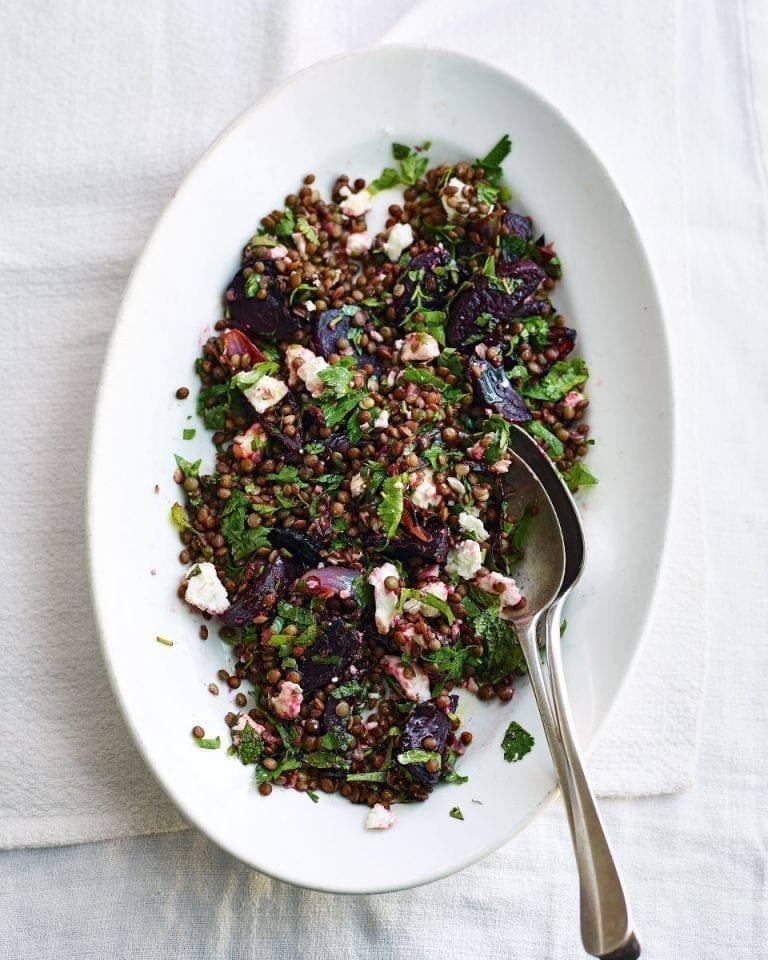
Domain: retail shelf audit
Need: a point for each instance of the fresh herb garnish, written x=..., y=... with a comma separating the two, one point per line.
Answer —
x=456, y=813
x=242, y=539
x=286, y=225
x=491, y=162
x=187, y=468
x=558, y=380
x=213, y=744
x=503, y=654
x=577, y=476
x=250, y=745
x=428, y=600
x=418, y=756
x=554, y=446
x=516, y=743
x=391, y=503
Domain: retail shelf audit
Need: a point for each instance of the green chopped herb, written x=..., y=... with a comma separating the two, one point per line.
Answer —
x=263, y=240
x=313, y=796
x=389, y=178
x=391, y=504
x=516, y=743
x=242, y=539
x=252, y=285
x=378, y=777
x=248, y=378
x=456, y=813
x=250, y=745
x=577, y=475
x=209, y=744
x=561, y=377
x=337, y=380
x=503, y=654
x=454, y=778
x=187, y=468
x=418, y=756
x=352, y=688
x=309, y=231
x=553, y=445
x=491, y=162
x=449, y=661
x=424, y=377
x=189, y=434
x=428, y=600
x=286, y=225
x=164, y=641
x=262, y=775
x=323, y=760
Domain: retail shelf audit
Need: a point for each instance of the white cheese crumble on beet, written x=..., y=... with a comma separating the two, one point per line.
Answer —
x=415, y=687
x=305, y=365
x=419, y=346
x=464, y=560
x=385, y=600
x=204, y=589
x=380, y=818
x=473, y=525
x=265, y=393
x=400, y=237
x=288, y=701
x=382, y=421
x=502, y=587
x=249, y=445
x=356, y=485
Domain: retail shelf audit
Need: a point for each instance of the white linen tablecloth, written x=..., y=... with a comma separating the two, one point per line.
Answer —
x=695, y=863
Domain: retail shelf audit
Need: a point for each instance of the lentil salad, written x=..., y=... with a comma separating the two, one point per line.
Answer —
x=353, y=541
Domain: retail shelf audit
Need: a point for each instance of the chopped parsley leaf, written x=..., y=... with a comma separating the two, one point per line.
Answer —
x=456, y=813
x=213, y=744
x=391, y=504
x=516, y=743
x=553, y=445
x=577, y=476
x=558, y=380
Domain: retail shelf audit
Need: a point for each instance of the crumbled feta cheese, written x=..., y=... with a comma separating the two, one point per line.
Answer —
x=415, y=687
x=356, y=485
x=400, y=237
x=501, y=466
x=358, y=244
x=249, y=445
x=309, y=306
x=355, y=204
x=572, y=398
x=380, y=818
x=424, y=493
x=419, y=346
x=305, y=365
x=464, y=560
x=385, y=600
x=456, y=486
x=473, y=525
x=436, y=589
x=204, y=589
x=265, y=393
x=382, y=421
x=288, y=701
x=277, y=253
x=300, y=242
x=502, y=587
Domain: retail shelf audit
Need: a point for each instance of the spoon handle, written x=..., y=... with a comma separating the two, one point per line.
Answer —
x=606, y=922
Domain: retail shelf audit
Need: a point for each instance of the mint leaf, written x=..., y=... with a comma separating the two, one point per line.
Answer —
x=378, y=777
x=456, y=813
x=389, y=178
x=503, y=654
x=516, y=743
x=400, y=151
x=423, y=596
x=286, y=225
x=418, y=756
x=209, y=744
x=249, y=377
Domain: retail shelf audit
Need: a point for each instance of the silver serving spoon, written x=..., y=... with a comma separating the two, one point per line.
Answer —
x=606, y=923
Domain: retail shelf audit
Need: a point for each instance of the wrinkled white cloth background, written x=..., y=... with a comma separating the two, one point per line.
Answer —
x=104, y=107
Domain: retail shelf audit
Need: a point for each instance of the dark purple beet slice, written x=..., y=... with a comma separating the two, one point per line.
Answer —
x=484, y=298
x=328, y=327
x=516, y=235
x=302, y=547
x=430, y=542
x=338, y=643
x=426, y=720
x=437, y=276
x=290, y=446
x=493, y=389
x=329, y=721
x=262, y=581
x=336, y=443
x=269, y=318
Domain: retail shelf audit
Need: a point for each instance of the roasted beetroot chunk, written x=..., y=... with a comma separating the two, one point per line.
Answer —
x=302, y=547
x=329, y=656
x=484, y=305
x=234, y=343
x=423, y=537
x=328, y=328
x=263, y=583
x=563, y=339
x=434, y=274
x=269, y=318
x=516, y=235
x=494, y=391
x=426, y=720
